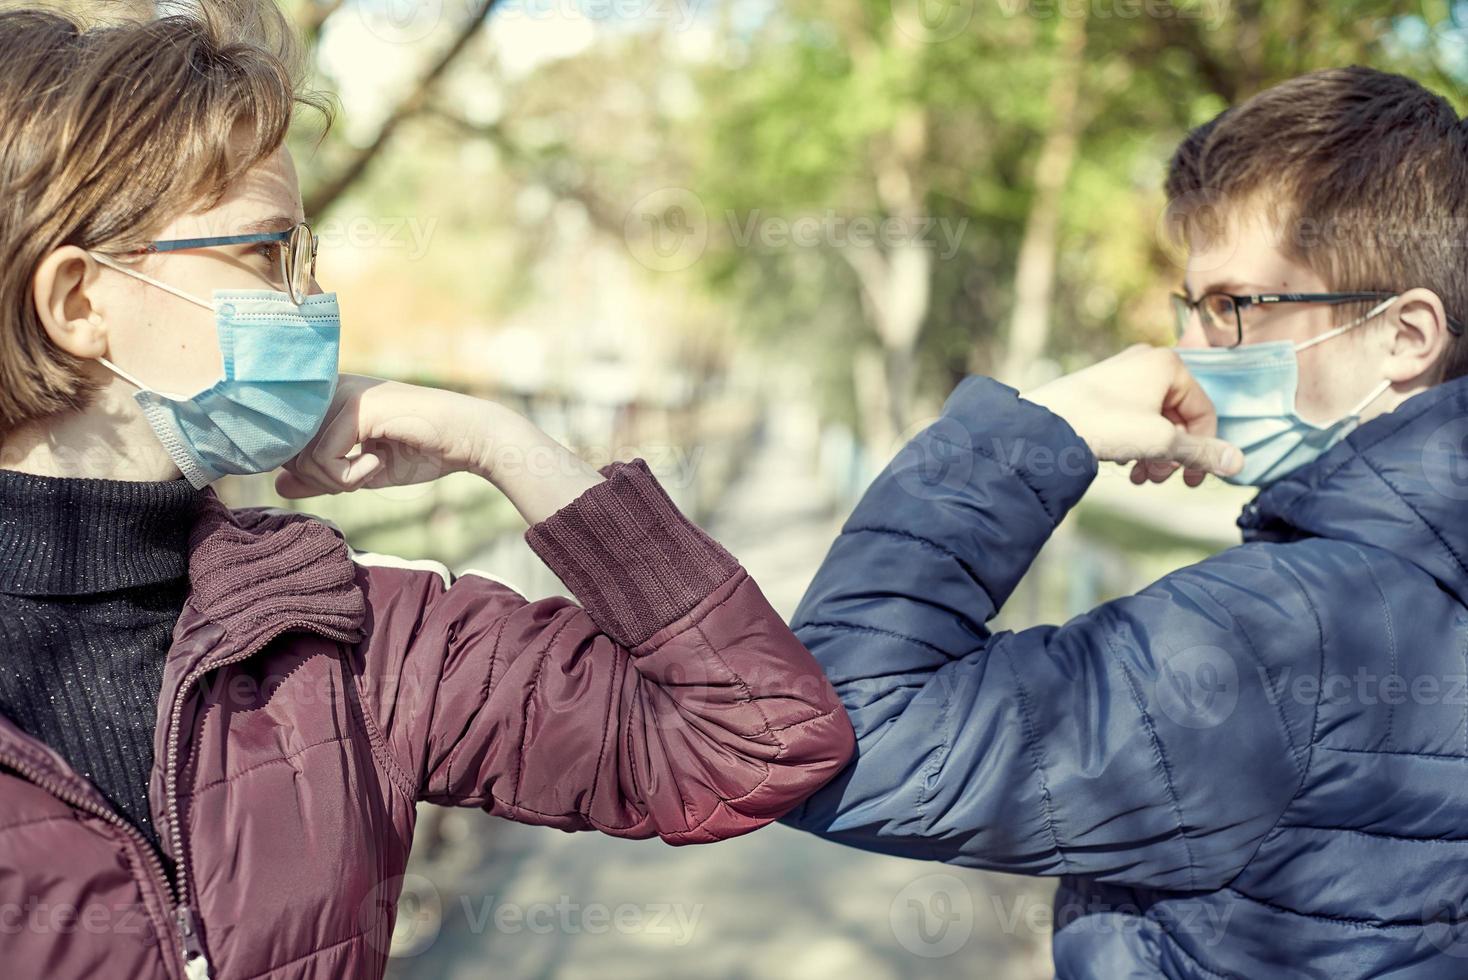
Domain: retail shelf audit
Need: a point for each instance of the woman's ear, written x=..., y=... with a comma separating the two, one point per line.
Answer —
x=66, y=297
x=1419, y=337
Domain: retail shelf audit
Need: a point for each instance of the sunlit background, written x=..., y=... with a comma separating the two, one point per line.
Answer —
x=757, y=243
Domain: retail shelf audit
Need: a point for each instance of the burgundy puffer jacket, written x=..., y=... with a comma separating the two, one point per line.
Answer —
x=310, y=700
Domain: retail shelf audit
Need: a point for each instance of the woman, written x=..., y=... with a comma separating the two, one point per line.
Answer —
x=215, y=725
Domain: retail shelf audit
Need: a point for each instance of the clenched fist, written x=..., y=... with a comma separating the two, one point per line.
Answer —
x=1142, y=406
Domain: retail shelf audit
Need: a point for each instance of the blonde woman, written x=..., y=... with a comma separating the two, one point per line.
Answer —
x=215, y=725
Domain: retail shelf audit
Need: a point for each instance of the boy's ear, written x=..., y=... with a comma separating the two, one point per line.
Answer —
x=1420, y=336
x=64, y=291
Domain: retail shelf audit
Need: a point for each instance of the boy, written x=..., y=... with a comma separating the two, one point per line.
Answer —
x=1256, y=766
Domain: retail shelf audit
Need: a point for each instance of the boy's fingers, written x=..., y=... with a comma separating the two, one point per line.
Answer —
x=1186, y=403
x=1158, y=470
x=1203, y=453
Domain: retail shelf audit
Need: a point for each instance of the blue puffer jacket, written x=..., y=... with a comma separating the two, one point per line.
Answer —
x=1255, y=768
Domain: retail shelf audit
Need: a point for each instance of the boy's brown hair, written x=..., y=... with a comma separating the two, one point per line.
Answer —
x=1363, y=176
x=108, y=131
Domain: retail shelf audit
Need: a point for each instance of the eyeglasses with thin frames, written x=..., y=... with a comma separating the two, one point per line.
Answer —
x=298, y=249
x=1222, y=314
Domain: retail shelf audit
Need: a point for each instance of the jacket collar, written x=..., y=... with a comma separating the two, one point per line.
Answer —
x=1399, y=482
x=254, y=574
x=258, y=572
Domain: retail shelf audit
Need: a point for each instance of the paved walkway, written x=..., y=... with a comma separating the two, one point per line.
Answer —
x=518, y=902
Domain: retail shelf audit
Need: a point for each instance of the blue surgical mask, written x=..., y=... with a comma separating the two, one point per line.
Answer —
x=280, y=373
x=1253, y=390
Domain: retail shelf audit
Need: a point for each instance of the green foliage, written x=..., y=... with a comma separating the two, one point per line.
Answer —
x=799, y=111
x=799, y=127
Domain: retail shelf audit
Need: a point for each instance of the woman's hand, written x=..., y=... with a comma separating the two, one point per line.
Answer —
x=384, y=434
x=387, y=434
x=1142, y=405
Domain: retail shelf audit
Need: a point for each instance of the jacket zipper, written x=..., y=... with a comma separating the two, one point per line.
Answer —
x=195, y=959
x=59, y=791
x=186, y=920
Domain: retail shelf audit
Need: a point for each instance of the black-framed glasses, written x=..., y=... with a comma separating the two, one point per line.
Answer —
x=1222, y=314
x=298, y=249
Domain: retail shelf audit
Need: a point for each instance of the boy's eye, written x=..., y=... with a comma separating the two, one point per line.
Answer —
x=269, y=250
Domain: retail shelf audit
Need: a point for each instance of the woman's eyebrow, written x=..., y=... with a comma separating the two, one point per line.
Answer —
x=278, y=222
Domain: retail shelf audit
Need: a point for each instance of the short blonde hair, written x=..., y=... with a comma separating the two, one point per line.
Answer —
x=108, y=131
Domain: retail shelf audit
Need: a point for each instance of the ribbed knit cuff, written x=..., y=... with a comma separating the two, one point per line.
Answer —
x=632, y=559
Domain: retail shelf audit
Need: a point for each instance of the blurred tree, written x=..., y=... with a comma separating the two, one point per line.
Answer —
x=312, y=16
x=1042, y=127
x=1014, y=150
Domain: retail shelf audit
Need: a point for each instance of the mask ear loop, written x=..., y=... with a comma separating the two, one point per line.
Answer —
x=119, y=267
x=1380, y=389
x=130, y=379
x=1375, y=312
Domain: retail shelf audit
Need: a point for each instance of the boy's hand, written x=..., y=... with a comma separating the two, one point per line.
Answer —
x=407, y=435
x=1142, y=405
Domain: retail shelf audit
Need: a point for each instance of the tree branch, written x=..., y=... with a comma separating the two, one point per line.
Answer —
x=327, y=193
x=602, y=214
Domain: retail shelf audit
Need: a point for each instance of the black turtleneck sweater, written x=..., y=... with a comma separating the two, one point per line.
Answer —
x=93, y=576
